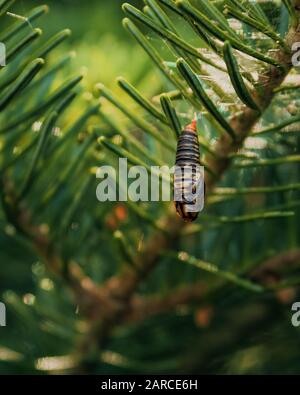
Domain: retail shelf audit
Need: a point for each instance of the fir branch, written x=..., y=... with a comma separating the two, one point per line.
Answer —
x=110, y=304
x=196, y=294
x=123, y=286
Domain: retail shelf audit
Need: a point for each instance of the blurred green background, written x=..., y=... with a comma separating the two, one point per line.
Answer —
x=89, y=20
x=103, y=48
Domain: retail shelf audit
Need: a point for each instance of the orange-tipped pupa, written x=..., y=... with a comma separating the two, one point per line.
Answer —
x=187, y=173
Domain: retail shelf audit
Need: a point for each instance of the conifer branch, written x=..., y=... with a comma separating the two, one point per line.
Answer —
x=197, y=294
x=123, y=287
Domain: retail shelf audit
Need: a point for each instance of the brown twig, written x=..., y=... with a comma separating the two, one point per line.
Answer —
x=142, y=308
x=88, y=296
x=277, y=264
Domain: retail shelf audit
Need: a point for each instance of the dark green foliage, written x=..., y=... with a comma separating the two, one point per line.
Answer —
x=124, y=287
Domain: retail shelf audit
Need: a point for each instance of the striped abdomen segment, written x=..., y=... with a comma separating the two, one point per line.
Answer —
x=187, y=173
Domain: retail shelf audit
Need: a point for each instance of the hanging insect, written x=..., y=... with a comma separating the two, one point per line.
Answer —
x=188, y=176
